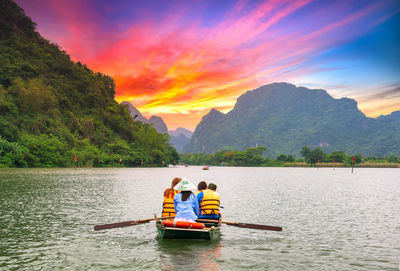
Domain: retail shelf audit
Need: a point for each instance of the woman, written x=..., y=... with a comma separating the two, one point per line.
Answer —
x=186, y=205
x=168, y=203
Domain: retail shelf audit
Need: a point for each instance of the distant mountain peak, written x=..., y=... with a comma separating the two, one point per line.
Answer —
x=135, y=113
x=395, y=115
x=284, y=118
x=187, y=133
x=158, y=122
x=214, y=114
x=215, y=111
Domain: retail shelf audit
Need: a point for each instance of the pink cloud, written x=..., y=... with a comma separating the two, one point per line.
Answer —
x=173, y=62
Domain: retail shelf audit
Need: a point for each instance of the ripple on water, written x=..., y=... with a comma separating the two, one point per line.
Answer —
x=330, y=218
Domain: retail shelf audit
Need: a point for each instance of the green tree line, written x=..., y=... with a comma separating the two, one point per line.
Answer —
x=254, y=157
x=249, y=157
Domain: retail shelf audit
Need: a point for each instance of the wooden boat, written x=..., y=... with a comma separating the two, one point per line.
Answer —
x=212, y=231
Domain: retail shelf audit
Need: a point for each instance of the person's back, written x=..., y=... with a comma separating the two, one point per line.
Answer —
x=209, y=203
x=168, y=202
x=185, y=202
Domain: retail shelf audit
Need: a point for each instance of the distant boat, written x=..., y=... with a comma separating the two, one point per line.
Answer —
x=206, y=168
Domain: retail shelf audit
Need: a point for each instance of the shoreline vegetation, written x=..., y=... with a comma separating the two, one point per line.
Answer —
x=342, y=165
x=253, y=157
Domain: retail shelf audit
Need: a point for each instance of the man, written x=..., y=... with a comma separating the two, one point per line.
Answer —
x=201, y=186
x=209, y=202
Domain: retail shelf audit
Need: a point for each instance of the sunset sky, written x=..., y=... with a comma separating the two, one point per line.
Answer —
x=179, y=59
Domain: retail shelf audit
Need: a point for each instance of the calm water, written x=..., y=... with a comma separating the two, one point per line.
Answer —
x=332, y=220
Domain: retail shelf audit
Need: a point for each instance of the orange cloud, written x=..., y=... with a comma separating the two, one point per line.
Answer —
x=180, y=68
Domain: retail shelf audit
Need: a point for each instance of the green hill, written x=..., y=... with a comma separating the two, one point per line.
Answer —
x=52, y=109
x=284, y=118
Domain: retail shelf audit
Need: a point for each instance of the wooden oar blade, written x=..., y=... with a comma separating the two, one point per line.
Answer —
x=255, y=226
x=128, y=223
x=118, y=225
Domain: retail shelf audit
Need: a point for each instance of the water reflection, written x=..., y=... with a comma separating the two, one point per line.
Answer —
x=331, y=218
x=189, y=255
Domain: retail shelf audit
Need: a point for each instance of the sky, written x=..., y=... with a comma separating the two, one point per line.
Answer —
x=180, y=59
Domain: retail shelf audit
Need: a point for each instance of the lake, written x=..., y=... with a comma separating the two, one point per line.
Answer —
x=331, y=219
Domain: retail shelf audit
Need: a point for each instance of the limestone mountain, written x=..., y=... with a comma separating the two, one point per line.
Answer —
x=136, y=115
x=187, y=133
x=394, y=115
x=179, y=142
x=180, y=138
x=157, y=122
x=284, y=118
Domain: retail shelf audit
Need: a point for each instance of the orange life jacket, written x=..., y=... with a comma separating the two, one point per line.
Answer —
x=209, y=203
x=168, y=206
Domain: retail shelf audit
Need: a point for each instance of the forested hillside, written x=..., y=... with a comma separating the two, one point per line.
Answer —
x=157, y=122
x=284, y=118
x=52, y=109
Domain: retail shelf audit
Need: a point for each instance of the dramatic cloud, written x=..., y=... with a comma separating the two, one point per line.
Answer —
x=178, y=61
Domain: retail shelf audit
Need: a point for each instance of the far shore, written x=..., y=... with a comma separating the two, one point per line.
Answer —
x=287, y=165
x=331, y=165
x=317, y=165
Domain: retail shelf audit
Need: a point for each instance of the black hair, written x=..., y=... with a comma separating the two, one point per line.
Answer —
x=186, y=195
x=202, y=186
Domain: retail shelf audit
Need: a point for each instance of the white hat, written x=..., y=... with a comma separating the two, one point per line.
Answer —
x=184, y=185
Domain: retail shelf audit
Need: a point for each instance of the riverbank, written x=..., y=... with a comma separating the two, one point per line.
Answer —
x=360, y=165
x=317, y=165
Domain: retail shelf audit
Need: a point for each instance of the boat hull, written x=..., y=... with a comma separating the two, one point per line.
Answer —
x=212, y=233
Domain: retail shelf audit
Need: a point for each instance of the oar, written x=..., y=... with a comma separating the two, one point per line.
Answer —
x=245, y=225
x=127, y=223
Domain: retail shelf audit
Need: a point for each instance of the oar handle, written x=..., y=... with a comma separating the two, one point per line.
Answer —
x=230, y=223
x=245, y=225
x=127, y=223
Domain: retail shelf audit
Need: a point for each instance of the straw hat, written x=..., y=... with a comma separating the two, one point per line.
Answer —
x=184, y=185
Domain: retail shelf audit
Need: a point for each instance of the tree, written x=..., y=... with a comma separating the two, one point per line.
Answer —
x=285, y=158
x=257, y=151
x=305, y=151
x=338, y=156
x=312, y=156
x=316, y=155
x=357, y=158
x=392, y=158
x=282, y=158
